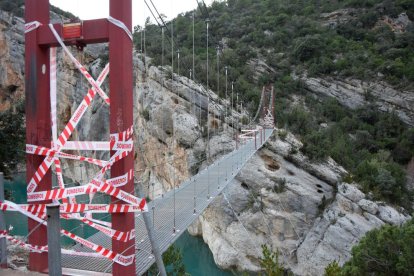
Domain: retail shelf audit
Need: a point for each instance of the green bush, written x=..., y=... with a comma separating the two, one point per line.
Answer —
x=333, y=269
x=145, y=114
x=385, y=251
x=270, y=262
x=11, y=130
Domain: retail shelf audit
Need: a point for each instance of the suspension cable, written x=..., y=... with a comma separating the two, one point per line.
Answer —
x=173, y=138
x=193, y=77
x=208, y=119
x=164, y=24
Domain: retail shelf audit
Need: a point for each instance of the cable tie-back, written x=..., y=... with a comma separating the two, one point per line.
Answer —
x=28, y=27
x=121, y=25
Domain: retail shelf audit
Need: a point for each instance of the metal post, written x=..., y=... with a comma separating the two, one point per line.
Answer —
x=255, y=144
x=225, y=104
x=53, y=240
x=232, y=119
x=3, y=245
x=154, y=242
x=261, y=136
x=121, y=119
x=38, y=121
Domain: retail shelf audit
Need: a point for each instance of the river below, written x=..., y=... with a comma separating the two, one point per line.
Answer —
x=197, y=257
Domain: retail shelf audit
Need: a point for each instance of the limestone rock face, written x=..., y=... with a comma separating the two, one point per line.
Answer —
x=295, y=206
x=390, y=215
x=186, y=129
x=221, y=144
x=369, y=206
x=350, y=192
x=11, y=60
x=355, y=93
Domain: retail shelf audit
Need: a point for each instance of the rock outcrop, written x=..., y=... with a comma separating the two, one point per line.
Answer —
x=11, y=60
x=299, y=208
x=355, y=93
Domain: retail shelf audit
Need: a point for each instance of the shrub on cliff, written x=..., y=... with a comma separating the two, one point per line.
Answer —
x=385, y=251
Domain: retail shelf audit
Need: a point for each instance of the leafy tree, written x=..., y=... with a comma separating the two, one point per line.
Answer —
x=173, y=261
x=12, y=135
x=270, y=262
x=333, y=269
x=385, y=251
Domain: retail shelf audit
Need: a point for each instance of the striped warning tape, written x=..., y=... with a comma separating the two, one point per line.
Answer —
x=76, y=208
x=80, y=67
x=118, y=258
x=121, y=25
x=63, y=137
x=38, y=150
x=30, y=26
x=93, y=187
x=41, y=249
x=114, y=234
x=121, y=143
x=86, y=145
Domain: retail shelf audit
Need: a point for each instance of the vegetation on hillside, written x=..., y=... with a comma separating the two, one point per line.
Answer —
x=12, y=136
x=290, y=36
x=16, y=7
x=385, y=251
x=373, y=146
x=297, y=37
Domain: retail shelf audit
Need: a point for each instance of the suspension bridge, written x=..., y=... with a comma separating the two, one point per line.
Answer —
x=139, y=232
x=176, y=210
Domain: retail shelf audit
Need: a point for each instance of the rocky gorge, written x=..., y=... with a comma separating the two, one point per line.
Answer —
x=300, y=208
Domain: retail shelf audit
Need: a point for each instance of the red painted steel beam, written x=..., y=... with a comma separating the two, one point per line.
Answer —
x=121, y=117
x=38, y=123
x=93, y=31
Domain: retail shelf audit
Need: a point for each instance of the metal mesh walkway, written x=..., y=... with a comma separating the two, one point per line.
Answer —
x=209, y=182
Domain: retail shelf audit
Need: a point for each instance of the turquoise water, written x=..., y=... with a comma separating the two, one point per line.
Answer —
x=198, y=259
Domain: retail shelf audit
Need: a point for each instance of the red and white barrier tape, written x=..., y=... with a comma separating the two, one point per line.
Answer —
x=62, y=139
x=118, y=258
x=98, y=186
x=121, y=25
x=122, y=143
x=41, y=249
x=80, y=67
x=86, y=145
x=53, y=89
x=32, y=149
x=113, y=234
x=28, y=27
x=76, y=208
x=32, y=248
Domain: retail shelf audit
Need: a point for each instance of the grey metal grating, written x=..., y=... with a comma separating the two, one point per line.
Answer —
x=213, y=176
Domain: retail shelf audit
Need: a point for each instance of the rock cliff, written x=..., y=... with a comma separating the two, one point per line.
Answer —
x=299, y=208
x=355, y=93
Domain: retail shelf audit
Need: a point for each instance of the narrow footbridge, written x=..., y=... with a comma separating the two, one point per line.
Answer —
x=175, y=211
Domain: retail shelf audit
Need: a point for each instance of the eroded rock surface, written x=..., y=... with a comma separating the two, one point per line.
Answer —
x=299, y=208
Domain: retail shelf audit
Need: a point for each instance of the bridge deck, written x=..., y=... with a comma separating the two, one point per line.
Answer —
x=211, y=180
